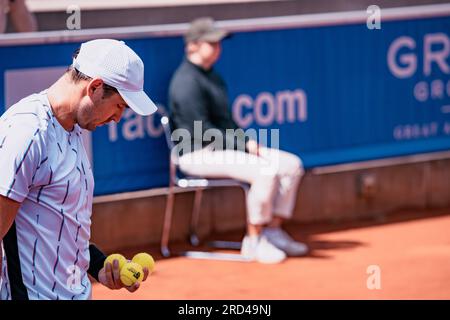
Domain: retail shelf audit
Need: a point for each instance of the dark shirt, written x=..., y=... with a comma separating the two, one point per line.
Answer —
x=196, y=94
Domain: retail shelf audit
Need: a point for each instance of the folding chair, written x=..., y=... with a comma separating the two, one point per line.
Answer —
x=199, y=184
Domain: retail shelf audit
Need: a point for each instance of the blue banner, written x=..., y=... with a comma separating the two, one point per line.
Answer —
x=337, y=93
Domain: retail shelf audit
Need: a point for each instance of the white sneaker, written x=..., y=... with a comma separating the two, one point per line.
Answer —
x=280, y=239
x=259, y=249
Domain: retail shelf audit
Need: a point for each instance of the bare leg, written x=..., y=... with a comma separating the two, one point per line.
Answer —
x=276, y=222
x=254, y=229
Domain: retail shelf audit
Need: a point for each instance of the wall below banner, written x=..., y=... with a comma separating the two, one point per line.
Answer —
x=333, y=197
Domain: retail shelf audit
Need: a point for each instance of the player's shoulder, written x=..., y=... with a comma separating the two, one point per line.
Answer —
x=28, y=118
x=31, y=112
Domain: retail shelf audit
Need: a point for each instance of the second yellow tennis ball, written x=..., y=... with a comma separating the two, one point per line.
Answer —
x=145, y=260
x=131, y=273
x=116, y=256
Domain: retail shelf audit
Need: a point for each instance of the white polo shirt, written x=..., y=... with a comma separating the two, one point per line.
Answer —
x=46, y=168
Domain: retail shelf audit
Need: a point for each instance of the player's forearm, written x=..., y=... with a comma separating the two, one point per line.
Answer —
x=8, y=211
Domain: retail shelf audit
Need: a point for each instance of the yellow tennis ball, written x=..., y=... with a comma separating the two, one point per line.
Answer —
x=145, y=260
x=116, y=256
x=131, y=273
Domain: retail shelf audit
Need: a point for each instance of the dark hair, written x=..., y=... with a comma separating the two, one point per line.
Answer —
x=77, y=76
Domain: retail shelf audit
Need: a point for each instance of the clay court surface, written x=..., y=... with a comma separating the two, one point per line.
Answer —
x=412, y=251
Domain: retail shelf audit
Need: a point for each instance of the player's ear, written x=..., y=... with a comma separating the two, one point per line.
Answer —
x=94, y=86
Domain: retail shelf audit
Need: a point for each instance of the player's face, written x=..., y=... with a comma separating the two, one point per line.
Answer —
x=96, y=110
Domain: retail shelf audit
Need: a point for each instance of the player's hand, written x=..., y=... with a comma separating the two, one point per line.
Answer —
x=109, y=276
x=253, y=147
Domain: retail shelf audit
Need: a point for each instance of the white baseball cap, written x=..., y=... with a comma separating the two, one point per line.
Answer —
x=118, y=66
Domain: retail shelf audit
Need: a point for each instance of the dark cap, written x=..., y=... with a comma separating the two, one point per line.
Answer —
x=203, y=29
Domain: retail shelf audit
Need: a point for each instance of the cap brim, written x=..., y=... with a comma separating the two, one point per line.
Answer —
x=138, y=101
x=215, y=36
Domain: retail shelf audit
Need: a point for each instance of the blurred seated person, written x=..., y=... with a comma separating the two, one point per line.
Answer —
x=198, y=94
